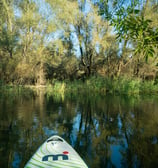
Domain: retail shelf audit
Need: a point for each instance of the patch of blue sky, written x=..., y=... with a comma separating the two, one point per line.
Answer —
x=120, y=48
x=76, y=47
x=17, y=12
x=45, y=10
x=56, y=35
x=86, y=6
x=97, y=47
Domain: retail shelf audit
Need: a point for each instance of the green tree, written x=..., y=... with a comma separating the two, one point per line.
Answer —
x=133, y=27
x=8, y=40
x=94, y=38
x=8, y=33
x=35, y=27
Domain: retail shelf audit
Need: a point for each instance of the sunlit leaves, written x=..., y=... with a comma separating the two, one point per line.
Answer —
x=136, y=28
x=65, y=11
x=140, y=32
x=8, y=31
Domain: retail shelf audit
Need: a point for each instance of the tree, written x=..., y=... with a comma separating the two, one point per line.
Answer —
x=35, y=27
x=8, y=40
x=8, y=33
x=94, y=38
x=134, y=28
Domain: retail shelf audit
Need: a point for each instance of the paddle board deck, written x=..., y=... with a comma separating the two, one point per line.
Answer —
x=55, y=152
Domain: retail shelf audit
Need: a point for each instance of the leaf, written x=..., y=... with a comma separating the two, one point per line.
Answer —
x=136, y=11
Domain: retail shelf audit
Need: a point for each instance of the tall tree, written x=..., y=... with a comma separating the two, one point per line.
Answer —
x=8, y=32
x=93, y=35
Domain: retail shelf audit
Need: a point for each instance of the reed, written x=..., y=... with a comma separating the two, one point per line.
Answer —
x=127, y=86
x=123, y=85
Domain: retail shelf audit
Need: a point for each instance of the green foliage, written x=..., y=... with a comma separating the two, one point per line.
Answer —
x=121, y=86
x=127, y=86
x=140, y=32
x=135, y=25
x=149, y=88
x=14, y=91
x=136, y=28
x=39, y=43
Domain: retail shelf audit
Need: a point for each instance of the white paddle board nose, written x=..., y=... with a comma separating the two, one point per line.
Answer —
x=56, y=152
x=55, y=138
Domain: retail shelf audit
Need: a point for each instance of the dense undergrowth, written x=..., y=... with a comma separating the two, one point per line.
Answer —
x=104, y=86
x=126, y=86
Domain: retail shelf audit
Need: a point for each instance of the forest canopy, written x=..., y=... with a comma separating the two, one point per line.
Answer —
x=45, y=40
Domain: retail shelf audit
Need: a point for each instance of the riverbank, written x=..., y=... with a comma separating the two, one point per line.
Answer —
x=125, y=86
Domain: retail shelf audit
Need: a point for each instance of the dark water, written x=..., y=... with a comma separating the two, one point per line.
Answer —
x=107, y=131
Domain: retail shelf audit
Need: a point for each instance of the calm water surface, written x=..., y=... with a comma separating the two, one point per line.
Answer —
x=107, y=131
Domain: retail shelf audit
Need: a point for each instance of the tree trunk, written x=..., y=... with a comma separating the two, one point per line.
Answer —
x=41, y=75
x=136, y=69
x=122, y=58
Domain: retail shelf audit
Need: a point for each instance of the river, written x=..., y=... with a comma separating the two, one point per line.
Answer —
x=106, y=130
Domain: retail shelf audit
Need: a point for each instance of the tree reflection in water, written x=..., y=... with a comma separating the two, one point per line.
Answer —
x=107, y=131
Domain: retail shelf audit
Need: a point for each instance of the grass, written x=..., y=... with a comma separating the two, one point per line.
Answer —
x=12, y=92
x=127, y=86
x=120, y=86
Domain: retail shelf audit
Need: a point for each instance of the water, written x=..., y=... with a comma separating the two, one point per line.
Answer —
x=107, y=131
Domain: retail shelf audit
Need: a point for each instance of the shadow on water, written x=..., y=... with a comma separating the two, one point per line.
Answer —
x=107, y=131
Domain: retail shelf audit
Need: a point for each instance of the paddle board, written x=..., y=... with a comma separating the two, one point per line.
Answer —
x=55, y=152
